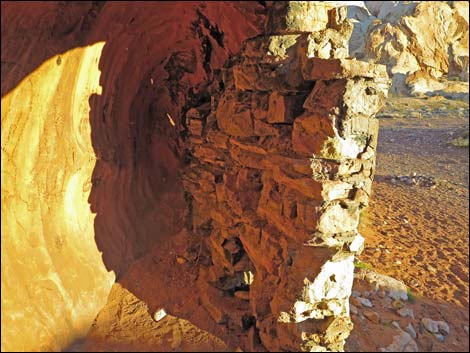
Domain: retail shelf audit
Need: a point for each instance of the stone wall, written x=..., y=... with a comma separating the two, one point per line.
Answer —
x=280, y=165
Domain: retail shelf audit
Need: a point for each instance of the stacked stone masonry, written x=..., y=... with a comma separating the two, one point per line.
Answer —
x=282, y=162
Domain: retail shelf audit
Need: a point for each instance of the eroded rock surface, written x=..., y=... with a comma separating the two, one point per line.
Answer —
x=281, y=163
x=268, y=160
x=89, y=157
x=421, y=42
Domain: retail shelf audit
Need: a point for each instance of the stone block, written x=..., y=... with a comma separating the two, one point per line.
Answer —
x=310, y=133
x=271, y=208
x=350, y=98
x=265, y=246
x=288, y=164
x=249, y=179
x=220, y=258
x=270, y=49
x=315, y=135
x=373, y=132
x=260, y=128
x=234, y=114
x=248, y=154
x=305, y=185
x=210, y=155
x=297, y=17
x=327, y=44
x=199, y=178
x=259, y=105
x=285, y=78
x=308, y=214
x=223, y=214
x=196, y=127
x=283, y=108
x=305, y=268
x=195, y=140
x=351, y=242
x=333, y=282
x=217, y=139
x=364, y=97
x=329, y=69
x=326, y=96
x=339, y=218
x=202, y=207
x=241, y=191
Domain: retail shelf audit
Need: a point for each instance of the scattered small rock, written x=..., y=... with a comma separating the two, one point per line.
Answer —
x=401, y=343
x=396, y=325
x=443, y=327
x=355, y=294
x=397, y=304
x=406, y=312
x=354, y=301
x=465, y=328
x=365, y=302
x=432, y=326
x=372, y=316
x=395, y=289
x=159, y=314
x=439, y=337
x=413, y=180
x=381, y=294
x=410, y=329
x=353, y=309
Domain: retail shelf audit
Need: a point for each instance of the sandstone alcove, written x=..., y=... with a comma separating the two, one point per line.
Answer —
x=123, y=126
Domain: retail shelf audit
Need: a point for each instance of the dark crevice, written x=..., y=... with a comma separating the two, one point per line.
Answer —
x=214, y=31
x=248, y=321
x=207, y=51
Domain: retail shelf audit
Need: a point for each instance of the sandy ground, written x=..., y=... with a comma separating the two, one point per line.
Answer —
x=419, y=233
x=415, y=233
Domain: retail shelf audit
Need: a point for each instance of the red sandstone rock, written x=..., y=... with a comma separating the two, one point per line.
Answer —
x=310, y=133
x=329, y=69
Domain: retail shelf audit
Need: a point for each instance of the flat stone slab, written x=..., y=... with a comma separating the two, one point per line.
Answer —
x=330, y=69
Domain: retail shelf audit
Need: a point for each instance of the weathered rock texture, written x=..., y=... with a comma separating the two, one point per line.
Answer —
x=281, y=162
x=123, y=107
x=53, y=277
x=89, y=157
x=421, y=42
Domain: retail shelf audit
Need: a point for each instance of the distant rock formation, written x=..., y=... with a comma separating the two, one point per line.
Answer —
x=421, y=42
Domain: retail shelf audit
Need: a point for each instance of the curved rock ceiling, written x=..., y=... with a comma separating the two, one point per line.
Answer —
x=92, y=94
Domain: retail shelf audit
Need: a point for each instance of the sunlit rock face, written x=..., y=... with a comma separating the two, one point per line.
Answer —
x=53, y=277
x=91, y=100
x=421, y=42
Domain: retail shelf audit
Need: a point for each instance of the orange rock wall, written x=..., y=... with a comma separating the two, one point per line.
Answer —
x=89, y=156
x=123, y=123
